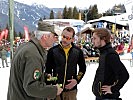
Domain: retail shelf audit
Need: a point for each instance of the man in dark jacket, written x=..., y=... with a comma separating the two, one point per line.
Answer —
x=62, y=63
x=27, y=75
x=3, y=53
x=111, y=75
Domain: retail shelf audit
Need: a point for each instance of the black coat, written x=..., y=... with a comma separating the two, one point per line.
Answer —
x=57, y=61
x=111, y=71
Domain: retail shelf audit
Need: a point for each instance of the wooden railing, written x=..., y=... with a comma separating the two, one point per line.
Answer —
x=90, y=60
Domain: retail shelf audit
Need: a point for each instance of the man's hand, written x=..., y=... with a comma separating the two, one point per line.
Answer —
x=71, y=84
x=49, y=77
x=106, y=89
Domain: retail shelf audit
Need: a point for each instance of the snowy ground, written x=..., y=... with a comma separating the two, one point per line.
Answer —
x=84, y=88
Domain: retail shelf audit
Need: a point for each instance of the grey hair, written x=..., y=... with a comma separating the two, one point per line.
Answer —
x=39, y=34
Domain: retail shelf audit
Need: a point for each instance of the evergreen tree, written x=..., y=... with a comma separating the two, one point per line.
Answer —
x=108, y=13
x=115, y=9
x=65, y=13
x=75, y=13
x=69, y=13
x=51, y=15
x=44, y=17
x=40, y=19
x=93, y=13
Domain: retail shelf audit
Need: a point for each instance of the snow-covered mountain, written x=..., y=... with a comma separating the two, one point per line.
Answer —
x=23, y=15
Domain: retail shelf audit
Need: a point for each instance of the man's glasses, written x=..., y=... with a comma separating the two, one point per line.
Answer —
x=66, y=37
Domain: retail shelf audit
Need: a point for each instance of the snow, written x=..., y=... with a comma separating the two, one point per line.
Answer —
x=85, y=86
x=4, y=77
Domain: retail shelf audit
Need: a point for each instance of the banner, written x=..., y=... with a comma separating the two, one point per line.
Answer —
x=2, y=35
x=129, y=10
x=26, y=33
x=6, y=33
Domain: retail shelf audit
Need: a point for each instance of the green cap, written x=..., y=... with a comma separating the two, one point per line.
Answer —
x=45, y=26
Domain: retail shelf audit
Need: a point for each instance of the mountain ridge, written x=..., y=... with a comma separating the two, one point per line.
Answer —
x=24, y=15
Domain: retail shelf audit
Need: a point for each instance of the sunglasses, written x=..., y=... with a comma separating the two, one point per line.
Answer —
x=66, y=37
x=56, y=36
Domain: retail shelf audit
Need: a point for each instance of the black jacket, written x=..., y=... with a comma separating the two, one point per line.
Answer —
x=111, y=71
x=56, y=61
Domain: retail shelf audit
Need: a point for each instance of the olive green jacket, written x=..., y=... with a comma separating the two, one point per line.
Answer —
x=27, y=81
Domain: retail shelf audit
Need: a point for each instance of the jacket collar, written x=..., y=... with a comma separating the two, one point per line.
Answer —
x=60, y=44
x=38, y=45
x=104, y=48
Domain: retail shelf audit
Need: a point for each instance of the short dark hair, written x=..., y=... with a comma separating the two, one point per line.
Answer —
x=70, y=29
x=103, y=33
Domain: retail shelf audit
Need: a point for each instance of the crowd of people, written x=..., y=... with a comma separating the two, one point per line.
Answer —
x=120, y=43
x=43, y=71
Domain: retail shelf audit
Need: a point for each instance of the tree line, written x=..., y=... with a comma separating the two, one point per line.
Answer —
x=72, y=13
x=92, y=12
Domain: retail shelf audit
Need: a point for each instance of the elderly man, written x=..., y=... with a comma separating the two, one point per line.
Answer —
x=27, y=75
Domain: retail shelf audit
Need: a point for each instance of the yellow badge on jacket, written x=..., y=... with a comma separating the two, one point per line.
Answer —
x=37, y=74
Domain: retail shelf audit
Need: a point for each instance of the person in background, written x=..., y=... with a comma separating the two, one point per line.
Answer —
x=3, y=53
x=131, y=46
x=85, y=52
x=27, y=74
x=111, y=74
x=62, y=62
x=120, y=48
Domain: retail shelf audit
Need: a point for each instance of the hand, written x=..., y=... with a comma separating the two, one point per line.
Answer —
x=71, y=84
x=106, y=89
x=59, y=90
x=49, y=76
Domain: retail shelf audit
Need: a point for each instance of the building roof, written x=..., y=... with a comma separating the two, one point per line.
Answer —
x=87, y=30
x=71, y=22
x=118, y=19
